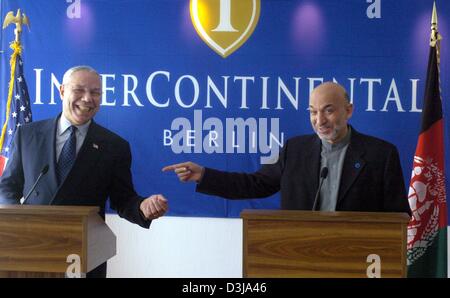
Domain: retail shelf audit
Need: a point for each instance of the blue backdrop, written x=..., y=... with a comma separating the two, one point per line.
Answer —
x=161, y=80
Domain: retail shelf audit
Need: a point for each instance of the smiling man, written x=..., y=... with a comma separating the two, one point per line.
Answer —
x=87, y=164
x=77, y=83
x=364, y=173
x=330, y=110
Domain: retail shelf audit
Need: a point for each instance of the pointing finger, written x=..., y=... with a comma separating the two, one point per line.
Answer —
x=182, y=170
x=174, y=166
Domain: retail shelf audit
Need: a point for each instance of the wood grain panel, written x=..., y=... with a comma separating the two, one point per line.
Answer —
x=35, y=241
x=326, y=246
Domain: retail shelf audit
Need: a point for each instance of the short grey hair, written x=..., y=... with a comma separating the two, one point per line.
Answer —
x=74, y=69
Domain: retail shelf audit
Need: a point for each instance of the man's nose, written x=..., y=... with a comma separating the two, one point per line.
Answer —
x=321, y=119
x=86, y=97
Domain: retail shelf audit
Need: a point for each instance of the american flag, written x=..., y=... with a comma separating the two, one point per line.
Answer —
x=19, y=112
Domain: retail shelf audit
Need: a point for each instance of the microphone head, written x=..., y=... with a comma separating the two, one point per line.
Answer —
x=324, y=173
x=44, y=170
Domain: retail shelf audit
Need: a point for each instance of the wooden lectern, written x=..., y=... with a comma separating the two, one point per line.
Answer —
x=288, y=243
x=35, y=241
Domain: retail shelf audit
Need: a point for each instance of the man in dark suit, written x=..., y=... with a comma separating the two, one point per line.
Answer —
x=87, y=164
x=364, y=173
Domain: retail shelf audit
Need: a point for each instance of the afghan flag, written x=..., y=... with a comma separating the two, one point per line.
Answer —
x=427, y=230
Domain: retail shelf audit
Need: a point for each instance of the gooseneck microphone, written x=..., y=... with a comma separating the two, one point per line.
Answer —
x=323, y=176
x=41, y=174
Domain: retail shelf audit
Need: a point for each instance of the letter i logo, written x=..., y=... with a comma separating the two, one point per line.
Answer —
x=225, y=25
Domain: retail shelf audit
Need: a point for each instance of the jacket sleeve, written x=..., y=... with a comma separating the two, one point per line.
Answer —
x=12, y=180
x=263, y=183
x=124, y=198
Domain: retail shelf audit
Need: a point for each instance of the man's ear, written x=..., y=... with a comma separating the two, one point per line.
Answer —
x=349, y=111
x=61, y=91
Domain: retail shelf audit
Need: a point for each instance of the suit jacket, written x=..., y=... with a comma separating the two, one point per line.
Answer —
x=101, y=171
x=371, y=179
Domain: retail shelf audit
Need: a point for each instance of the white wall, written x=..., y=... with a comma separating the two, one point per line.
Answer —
x=186, y=247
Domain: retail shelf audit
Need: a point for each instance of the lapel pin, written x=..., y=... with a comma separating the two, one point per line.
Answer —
x=95, y=146
x=357, y=165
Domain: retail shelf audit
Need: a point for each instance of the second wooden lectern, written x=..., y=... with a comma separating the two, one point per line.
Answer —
x=36, y=241
x=285, y=243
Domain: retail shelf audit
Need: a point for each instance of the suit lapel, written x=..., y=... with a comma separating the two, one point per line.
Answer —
x=88, y=155
x=89, y=152
x=353, y=164
x=45, y=149
x=87, y=158
x=312, y=160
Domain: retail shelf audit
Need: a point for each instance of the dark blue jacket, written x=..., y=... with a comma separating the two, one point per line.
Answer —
x=101, y=171
x=371, y=179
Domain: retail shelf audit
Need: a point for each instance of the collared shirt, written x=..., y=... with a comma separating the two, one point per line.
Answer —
x=332, y=157
x=63, y=133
